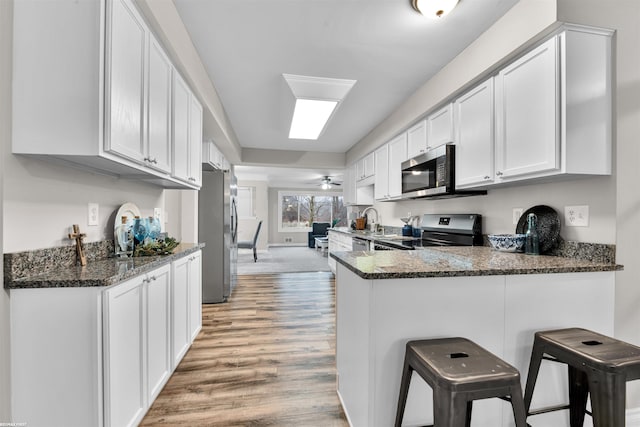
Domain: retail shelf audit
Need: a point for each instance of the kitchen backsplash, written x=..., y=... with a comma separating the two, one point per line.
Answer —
x=18, y=264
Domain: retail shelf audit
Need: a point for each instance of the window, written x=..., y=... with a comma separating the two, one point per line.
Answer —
x=298, y=210
x=246, y=202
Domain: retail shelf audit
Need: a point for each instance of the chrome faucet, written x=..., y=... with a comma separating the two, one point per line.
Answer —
x=371, y=208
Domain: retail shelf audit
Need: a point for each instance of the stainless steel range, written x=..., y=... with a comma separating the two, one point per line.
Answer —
x=440, y=230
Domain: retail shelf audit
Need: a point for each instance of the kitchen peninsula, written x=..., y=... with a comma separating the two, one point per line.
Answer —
x=498, y=300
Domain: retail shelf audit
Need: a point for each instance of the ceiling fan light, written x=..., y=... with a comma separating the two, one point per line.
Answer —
x=434, y=8
x=326, y=186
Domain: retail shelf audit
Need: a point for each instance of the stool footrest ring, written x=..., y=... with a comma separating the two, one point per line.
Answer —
x=552, y=409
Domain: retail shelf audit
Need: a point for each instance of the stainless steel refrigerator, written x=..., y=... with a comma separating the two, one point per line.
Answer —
x=217, y=228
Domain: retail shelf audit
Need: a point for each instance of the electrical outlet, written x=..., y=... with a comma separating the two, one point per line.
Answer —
x=288, y=240
x=92, y=214
x=517, y=213
x=576, y=216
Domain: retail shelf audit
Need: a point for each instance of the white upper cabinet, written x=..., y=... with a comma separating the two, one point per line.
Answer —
x=181, y=104
x=397, y=155
x=96, y=95
x=158, y=151
x=417, y=139
x=474, y=119
x=349, y=185
x=365, y=167
x=187, y=133
x=440, y=127
x=124, y=82
x=553, y=108
x=195, y=141
x=528, y=92
x=381, y=189
x=212, y=158
x=389, y=158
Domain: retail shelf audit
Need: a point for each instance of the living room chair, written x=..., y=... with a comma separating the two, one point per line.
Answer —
x=247, y=244
x=318, y=229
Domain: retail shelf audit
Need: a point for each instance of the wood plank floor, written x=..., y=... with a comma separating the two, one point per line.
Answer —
x=265, y=358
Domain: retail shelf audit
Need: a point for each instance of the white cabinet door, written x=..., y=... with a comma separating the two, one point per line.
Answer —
x=381, y=185
x=125, y=82
x=366, y=167
x=158, y=152
x=440, y=127
x=527, y=96
x=195, y=141
x=195, y=294
x=397, y=155
x=349, y=185
x=124, y=379
x=180, y=153
x=417, y=139
x=158, y=320
x=180, y=310
x=474, y=116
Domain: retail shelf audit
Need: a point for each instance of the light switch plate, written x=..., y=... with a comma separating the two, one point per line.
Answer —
x=576, y=216
x=93, y=214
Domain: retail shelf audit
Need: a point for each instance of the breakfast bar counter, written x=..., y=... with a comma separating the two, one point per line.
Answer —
x=448, y=261
x=498, y=300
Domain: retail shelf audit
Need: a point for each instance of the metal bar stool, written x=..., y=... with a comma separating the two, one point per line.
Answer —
x=459, y=371
x=597, y=364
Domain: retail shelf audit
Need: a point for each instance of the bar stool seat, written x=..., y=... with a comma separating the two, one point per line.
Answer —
x=598, y=365
x=459, y=371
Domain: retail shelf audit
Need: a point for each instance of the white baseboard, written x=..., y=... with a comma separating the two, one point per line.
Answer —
x=274, y=245
x=633, y=417
x=344, y=408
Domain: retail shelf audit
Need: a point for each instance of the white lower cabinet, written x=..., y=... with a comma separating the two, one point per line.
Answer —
x=158, y=316
x=137, y=336
x=187, y=304
x=103, y=354
x=124, y=349
x=338, y=242
x=195, y=295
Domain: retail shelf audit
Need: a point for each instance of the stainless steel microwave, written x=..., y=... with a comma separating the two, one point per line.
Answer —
x=432, y=174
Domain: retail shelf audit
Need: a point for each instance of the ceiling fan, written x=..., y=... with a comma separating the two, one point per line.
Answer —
x=326, y=182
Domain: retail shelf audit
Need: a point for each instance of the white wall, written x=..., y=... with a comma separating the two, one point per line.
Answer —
x=6, y=28
x=247, y=226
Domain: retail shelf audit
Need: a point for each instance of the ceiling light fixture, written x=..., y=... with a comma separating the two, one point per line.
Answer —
x=317, y=99
x=434, y=8
x=326, y=186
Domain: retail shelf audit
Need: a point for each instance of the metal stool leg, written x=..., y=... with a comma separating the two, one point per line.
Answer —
x=578, y=394
x=532, y=375
x=608, y=399
x=404, y=391
x=450, y=409
x=517, y=404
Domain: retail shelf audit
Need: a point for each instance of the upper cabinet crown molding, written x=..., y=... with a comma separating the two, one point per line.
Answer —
x=97, y=95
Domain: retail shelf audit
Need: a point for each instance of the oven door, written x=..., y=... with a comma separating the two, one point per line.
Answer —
x=429, y=174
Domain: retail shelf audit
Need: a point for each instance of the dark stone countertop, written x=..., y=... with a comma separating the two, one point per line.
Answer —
x=102, y=272
x=461, y=261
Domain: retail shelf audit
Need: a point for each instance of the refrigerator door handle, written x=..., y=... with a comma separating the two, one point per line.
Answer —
x=234, y=221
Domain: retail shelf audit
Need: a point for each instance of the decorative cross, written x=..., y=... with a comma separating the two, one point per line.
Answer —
x=77, y=236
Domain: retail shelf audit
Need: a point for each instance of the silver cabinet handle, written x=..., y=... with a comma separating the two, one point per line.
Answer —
x=487, y=177
x=498, y=173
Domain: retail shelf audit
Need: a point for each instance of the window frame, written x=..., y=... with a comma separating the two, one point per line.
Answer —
x=284, y=193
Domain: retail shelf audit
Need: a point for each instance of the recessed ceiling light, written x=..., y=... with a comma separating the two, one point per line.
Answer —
x=434, y=8
x=310, y=117
x=317, y=99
